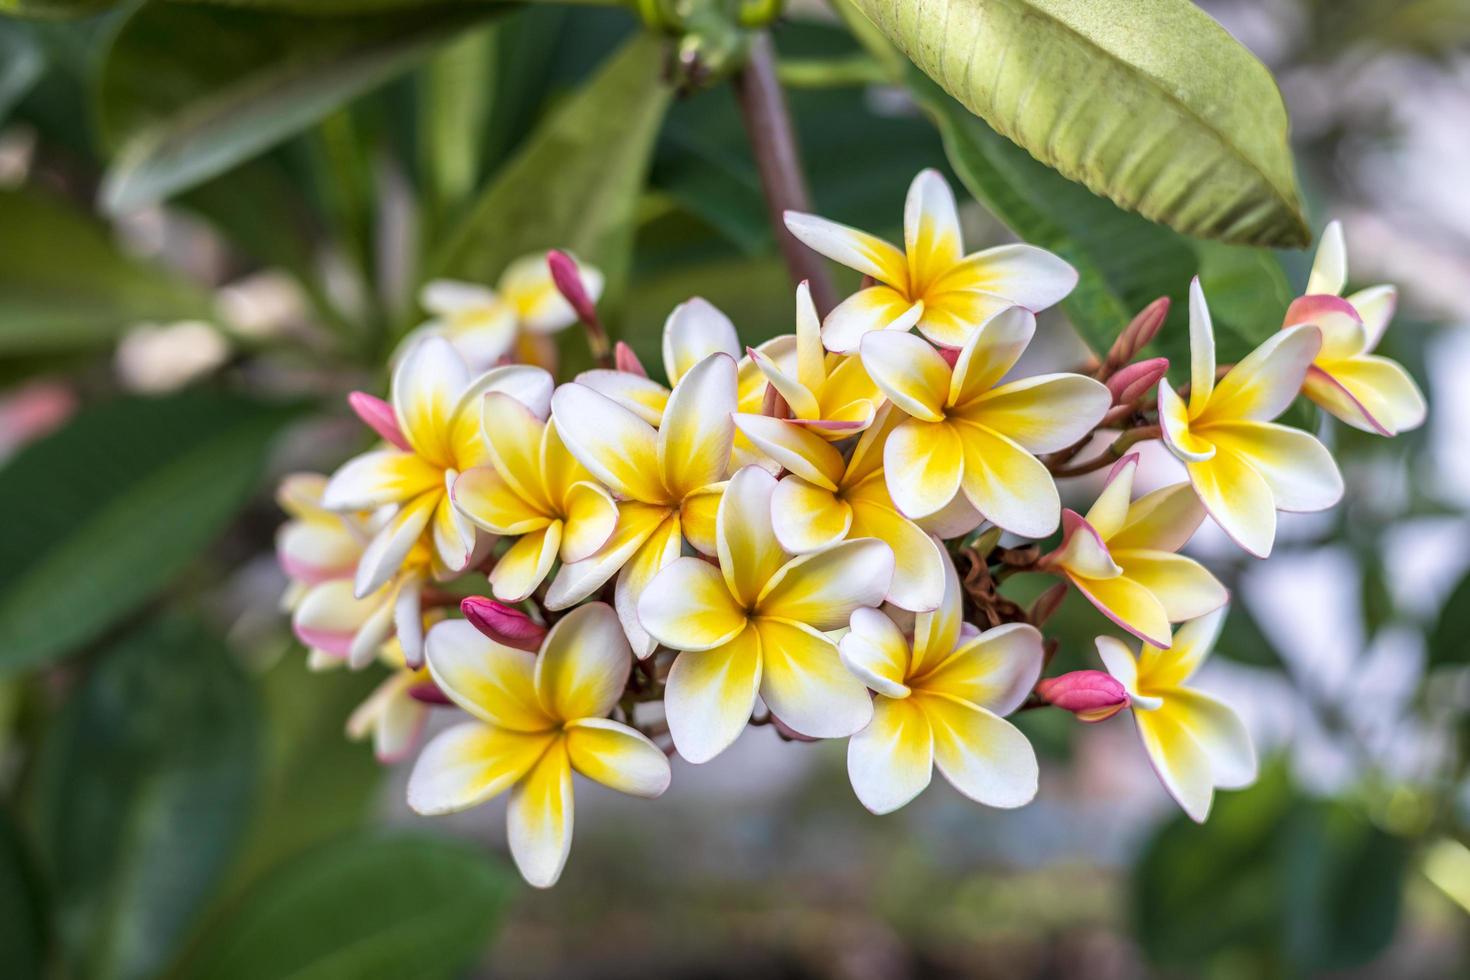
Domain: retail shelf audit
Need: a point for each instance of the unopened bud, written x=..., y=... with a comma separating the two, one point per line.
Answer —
x=774, y=405
x=378, y=416
x=568, y=280
x=501, y=623
x=1131, y=383
x=1046, y=604
x=625, y=360
x=1140, y=331
x=1091, y=695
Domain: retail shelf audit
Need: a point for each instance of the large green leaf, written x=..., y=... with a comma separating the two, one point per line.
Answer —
x=105, y=512
x=144, y=791
x=1150, y=103
x=575, y=182
x=22, y=908
x=188, y=91
x=367, y=907
x=64, y=285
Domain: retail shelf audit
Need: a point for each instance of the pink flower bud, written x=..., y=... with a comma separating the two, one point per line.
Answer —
x=1145, y=326
x=568, y=279
x=625, y=360
x=1091, y=695
x=378, y=415
x=503, y=624
x=1131, y=382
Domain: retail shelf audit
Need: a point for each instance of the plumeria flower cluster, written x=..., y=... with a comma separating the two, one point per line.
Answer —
x=601, y=573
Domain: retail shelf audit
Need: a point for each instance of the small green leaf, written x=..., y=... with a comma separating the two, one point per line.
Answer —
x=1150, y=103
x=65, y=287
x=189, y=92
x=575, y=182
x=105, y=512
x=143, y=794
x=367, y=907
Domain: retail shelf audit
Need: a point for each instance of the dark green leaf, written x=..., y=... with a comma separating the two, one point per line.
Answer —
x=368, y=907
x=576, y=180
x=189, y=92
x=143, y=794
x=1243, y=640
x=1150, y=103
x=1273, y=880
x=1449, y=640
x=457, y=92
x=21, y=64
x=64, y=285
x=105, y=512
x=22, y=906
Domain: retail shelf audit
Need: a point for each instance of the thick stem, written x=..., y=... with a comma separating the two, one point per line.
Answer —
x=772, y=140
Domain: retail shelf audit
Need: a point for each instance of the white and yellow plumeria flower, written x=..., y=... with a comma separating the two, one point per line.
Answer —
x=333, y=622
x=668, y=479
x=695, y=330
x=537, y=718
x=483, y=323
x=534, y=488
x=931, y=283
x=1121, y=556
x=1243, y=466
x=436, y=434
x=1346, y=378
x=823, y=500
x=829, y=393
x=316, y=544
x=756, y=623
x=393, y=715
x=940, y=698
x=1195, y=742
x=967, y=436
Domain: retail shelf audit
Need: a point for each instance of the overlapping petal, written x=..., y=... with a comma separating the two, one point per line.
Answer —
x=804, y=683
x=891, y=761
x=710, y=695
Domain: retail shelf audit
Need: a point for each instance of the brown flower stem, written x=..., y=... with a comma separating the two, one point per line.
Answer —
x=773, y=142
x=1112, y=454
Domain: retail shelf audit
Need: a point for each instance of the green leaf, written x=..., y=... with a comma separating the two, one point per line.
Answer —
x=457, y=91
x=22, y=908
x=144, y=791
x=1273, y=883
x=1150, y=103
x=105, y=512
x=368, y=907
x=21, y=64
x=189, y=92
x=575, y=182
x=65, y=287
x=1449, y=639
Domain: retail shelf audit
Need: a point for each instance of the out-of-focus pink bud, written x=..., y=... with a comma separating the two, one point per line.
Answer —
x=1130, y=383
x=378, y=415
x=625, y=360
x=1091, y=695
x=1145, y=326
x=568, y=279
x=951, y=355
x=503, y=624
x=429, y=693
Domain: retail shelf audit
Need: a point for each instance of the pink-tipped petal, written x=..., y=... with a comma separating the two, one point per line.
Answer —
x=378, y=416
x=1091, y=695
x=503, y=624
x=1133, y=381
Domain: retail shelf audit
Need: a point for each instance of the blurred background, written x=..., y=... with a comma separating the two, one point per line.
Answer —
x=179, y=798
